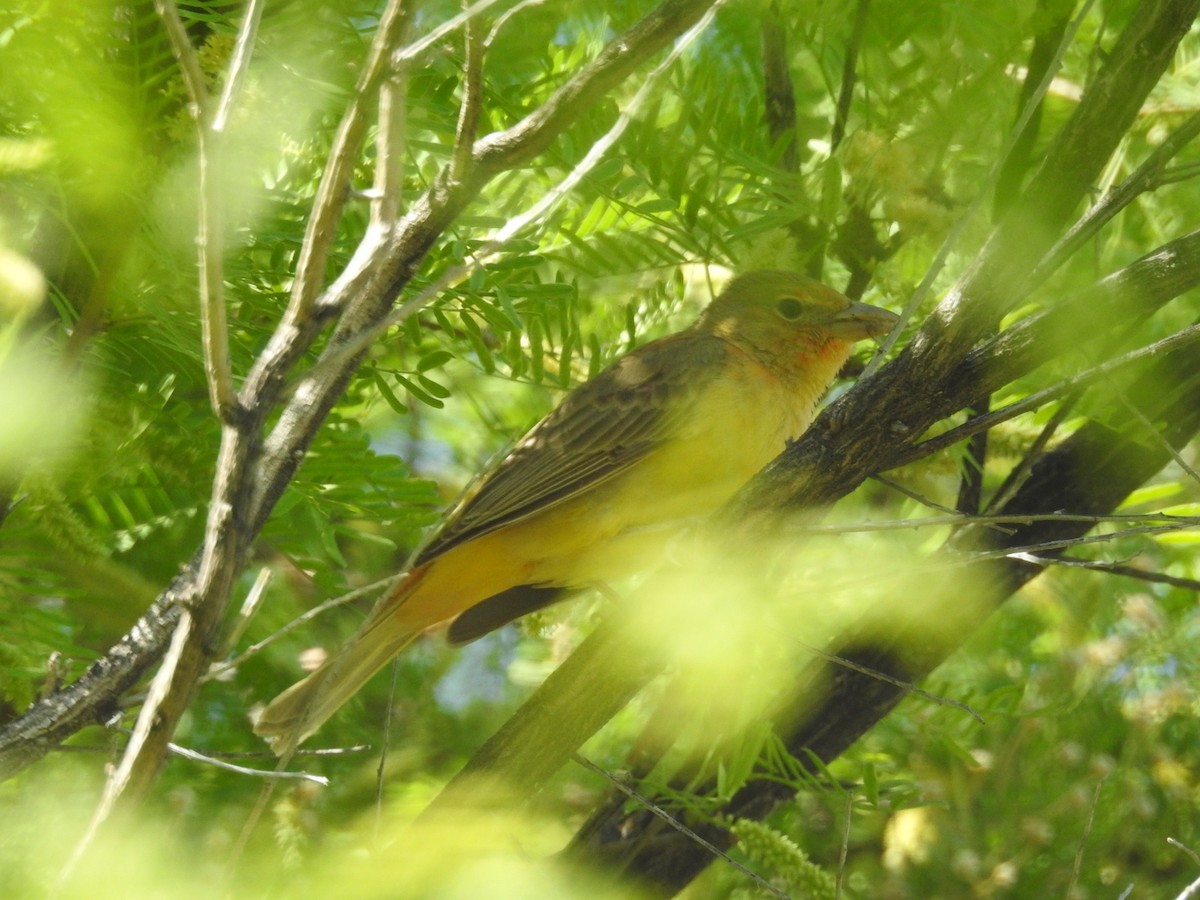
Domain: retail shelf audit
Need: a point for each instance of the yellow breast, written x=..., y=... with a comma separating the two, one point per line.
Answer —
x=738, y=424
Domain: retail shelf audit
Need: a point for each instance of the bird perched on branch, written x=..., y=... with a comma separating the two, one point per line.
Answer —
x=594, y=491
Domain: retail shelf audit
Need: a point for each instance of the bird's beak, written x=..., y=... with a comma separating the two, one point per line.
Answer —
x=860, y=321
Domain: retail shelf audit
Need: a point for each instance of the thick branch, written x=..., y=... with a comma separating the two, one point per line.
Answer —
x=92, y=700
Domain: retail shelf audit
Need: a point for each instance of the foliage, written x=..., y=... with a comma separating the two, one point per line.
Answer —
x=1082, y=761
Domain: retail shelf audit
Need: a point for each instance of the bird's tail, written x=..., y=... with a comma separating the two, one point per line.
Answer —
x=295, y=714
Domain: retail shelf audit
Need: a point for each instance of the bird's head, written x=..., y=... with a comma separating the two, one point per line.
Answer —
x=780, y=314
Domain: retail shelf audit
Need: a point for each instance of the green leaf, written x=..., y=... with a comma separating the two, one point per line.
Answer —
x=420, y=393
x=871, y=783
x=436, y=390
x=478, y=343
x=536, y=349
x=389, y=396
x=433, y=360
x=510, y=311
x=659, y=205
x=509, y=263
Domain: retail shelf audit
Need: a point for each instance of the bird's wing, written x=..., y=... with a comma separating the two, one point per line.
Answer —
x=602, y=428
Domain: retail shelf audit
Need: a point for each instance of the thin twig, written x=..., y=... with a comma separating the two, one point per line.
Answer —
x=959, y=520
x=227, y=754
x=390, y=143
x=1031, y=554
x=1087, y=831
x=250, y=605
x=219, y=669
x=472, y=102
x=185, y=56
x=385, y=741
x=1177, y=341
x=844, y=852
x=1179, y=174
x=1126, y=571
x=906, y=686
x=1151, y=428
x=849, y=74
x=1186, y=849
x=918, y=496
x=648, y=804
x=210, y=246
x=245, y=770
x=208, y=236
x=239, y=65
x=343, y=155
x=504, y=18
x=1022, y=470
x=212, y=282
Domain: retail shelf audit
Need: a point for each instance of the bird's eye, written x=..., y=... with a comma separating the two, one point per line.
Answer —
x=790, y=308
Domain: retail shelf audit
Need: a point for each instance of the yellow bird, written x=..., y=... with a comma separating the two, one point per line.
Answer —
x=594, y=491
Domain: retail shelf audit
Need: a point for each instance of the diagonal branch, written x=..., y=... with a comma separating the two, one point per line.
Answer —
x=849, y=74
x=1186, y=339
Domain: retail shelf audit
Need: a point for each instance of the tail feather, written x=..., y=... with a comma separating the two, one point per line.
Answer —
x=299, y=711
x=295, y=714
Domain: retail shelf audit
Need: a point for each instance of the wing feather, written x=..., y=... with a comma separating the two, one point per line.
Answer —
x=601, y=429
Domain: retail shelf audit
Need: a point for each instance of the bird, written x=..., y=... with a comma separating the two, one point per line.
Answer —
x=595, y=490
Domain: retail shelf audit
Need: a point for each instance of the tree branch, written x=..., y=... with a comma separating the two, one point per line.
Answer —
x=849, y=73
x=390, y=143
x=779, y=96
